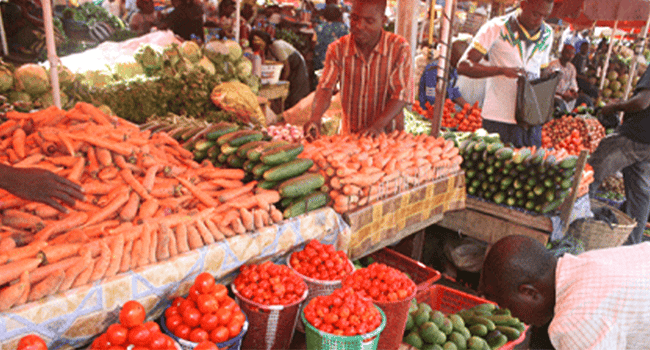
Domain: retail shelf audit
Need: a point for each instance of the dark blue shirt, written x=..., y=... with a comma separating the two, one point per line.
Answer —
x=636, y=125
x=428, y=85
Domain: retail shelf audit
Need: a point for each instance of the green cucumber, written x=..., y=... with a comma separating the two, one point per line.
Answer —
x=288, y=170
x=530, y=205
x=191, y=132
x=566, y=183
x=260, y=168
x=243, y=149
x=256, y=153
x=569, y=162
x=248, y=165
x=235, y=161
x=504, y=153
x=509, y=332
x=551, y=206
x=282, y=154
x=213, y=152
x=499, y=197
x=203, y=145
x=244, y=137
x=301, y=185
x=221, y=129
x=199, y=155
x=521, y=155
x=222, y=158
x=539, y=190
x=223, y=139
x=267, y=185
x=228, y=149
x=510, y=201
x=494, y=147
x=480, y=146
x=306, y=204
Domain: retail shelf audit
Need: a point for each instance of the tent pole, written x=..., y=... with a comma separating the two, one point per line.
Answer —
x=446, y=34
x=237, y=21
x=639, y=51
x=603, y=74
x=51, y=51
x=3, y=36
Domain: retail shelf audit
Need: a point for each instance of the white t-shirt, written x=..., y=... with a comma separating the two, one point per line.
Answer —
x=501, y=41
x=281, y=50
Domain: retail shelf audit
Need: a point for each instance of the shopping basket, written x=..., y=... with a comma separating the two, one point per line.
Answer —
x=319, y=340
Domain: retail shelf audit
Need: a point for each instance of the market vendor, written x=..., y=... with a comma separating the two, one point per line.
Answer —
x=628, y=150
x=566, y=91
x=186, y=20
x=581, y=62
x=513, y=45
x=40, y=185
x=596, y=300
x=429, y=79
x=373, y=68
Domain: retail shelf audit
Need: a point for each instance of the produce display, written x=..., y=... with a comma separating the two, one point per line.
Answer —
x=321, y=261
x=573, y=134
x=344, y=312
x=359, y=170
x=269, y=284
x=287, y=132
x=146, y=201
x=208, y=313
x=381, y=283
x=132, y=331
x=415, y=123
x=482, y=327
x=467, y=119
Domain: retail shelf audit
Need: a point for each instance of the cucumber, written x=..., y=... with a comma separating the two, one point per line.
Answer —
x=503, y=320
x=492, y=137
x=530, y=194
x=519, y=194
x=235, y=161
x=549, y=195
x=471, y=190
x=531, y=182
x=473, y=320
x=530, y=205
x=267, y=185
x=510, y=201
x=213, y=152
x=539, y=190
x=301, y=185
x=521, y=155
x=282, y=154
x=255, y=153
x=203, y=145
x=506, y=182
x=245, y=136
x=549, y=207
x=469, y=147
x=569, y=162
x=470, y=173
x=199, y=155
x=548, y=183
x=475, y=183
x=248, y=165
x=480, y=146
x=223, y=139
x=539, y=156
x=288, y=170
x=499, y=197
x=497, y=341
x=566, y=183
x=221, y=129
x=509, y=332
x=178, y=132
x=228, y=149
x=243, y=149
x=191, y=132
x=504, y=153
x=493, y=147
x=286, y=202
x=550, y=161
x=222, y=158
x=260, y=168
x=306, y=204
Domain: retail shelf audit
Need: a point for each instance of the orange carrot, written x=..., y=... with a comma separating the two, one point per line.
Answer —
x=147, y=232
x=205, y=233
x=225, y=183
x=18, y=142
x=21, y=220
x=148, y=208
x=136, y=253
x=30, y=161
x=44, y=211
x=77, y=170
x=7, y=244
x=276, y=215
x=93, y=163
x=238, y=227
x=154, y=243
x=247, y=219
x=150, y=177
x=199, y=194
x=44, y=271
x=54, y=253
x=231, y=174
x=130, y=209
x=173, y=245
x=181, y=238
x=117, y=147
x=127, y=175
x=236, y=192
x=74, y=219
x=125, y=264
x=8, y=127
x=73, y=271
x=27, y=251
x=104, y=157
x=162, y=250
x=216, y=233
x=109, y=210
x=193, y=237
x=108, y=173
x=117, y=250
x=258, y=219
x=12, y=270
x=48, y=286
x=10, y=296
x=123, y=164
x=93, y=112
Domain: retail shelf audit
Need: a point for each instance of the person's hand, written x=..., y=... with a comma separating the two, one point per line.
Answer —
x=312, y=130
x=609, y=109
x=43, y=186
x=372, y=130
x=511, y=72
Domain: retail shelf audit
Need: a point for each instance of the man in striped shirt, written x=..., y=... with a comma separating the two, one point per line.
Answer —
x=597, y=300
x=373, y=68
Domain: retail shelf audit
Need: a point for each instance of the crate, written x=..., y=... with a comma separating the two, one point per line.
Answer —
x=448, y=301
x=319, y=340
x=423, y=275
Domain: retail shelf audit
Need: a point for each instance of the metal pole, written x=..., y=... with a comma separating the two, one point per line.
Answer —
x=638, y=53
x=51, y=51
x=443, y=65
x=3, y=36
x=603, y=74
x=237, y=20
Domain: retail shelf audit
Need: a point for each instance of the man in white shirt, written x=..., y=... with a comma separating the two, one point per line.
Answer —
x=514, y=45
x=596, y=300
x=566, y=91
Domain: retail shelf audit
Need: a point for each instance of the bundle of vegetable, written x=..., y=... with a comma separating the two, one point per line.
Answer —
x=415, y=123
x=482, y=327
x=360, y=170
x=146, y=201
x=287, y=132
x=573, y=133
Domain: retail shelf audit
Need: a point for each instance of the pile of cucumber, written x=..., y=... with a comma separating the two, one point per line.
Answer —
x=274, y=164
x=516, y=178
x=483, y=327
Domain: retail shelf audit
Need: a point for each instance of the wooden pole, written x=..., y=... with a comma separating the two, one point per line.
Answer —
x=51, y=52
x=603, y=74
x=637, y=54
x=446, y=34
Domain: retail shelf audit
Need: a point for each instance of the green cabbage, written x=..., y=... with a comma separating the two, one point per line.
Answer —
x=32, y=79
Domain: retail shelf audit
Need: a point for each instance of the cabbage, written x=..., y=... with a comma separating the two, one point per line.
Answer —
x=234, y=50
x=6, y=79
x=47, y=100
x=66, y=77
x=171, y=54
x=127, y=70
x=149, y=58
x=214, y=49
x=19, y=96
x=32, y=79
x=207, y=65
x=191, y=51
x=245, y=67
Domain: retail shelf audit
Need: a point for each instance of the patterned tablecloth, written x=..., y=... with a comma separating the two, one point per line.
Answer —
x=73, y=318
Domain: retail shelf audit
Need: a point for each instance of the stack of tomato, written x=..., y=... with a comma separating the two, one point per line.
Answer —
x=381, y=283
x=573, y=134
x=132, y=330
x=208, y=313
x=269, y=284
x=344, y=312
x=321, y=261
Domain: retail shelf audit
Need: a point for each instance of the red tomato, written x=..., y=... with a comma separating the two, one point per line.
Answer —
x=198, y=335
x=204, y=282
x=191, y=317
x=238, y=317
x=224, y=316
x=183, y=331
x=153, y=327
x=220, y=334
x=31, y=342
x=158, y=341
x=177, y=301
x=117, y=334
x=132, y=314
x=115, y=347
x=139, y=335
x=234, y=328
x=220, y=292
x=193, y=294
x=173, y=322
x=207, y=303
x=100, y=342
x=209, y=322
x=186, y=304
x=206, y=345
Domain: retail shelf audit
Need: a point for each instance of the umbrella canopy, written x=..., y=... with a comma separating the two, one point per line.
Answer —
x=629, y=13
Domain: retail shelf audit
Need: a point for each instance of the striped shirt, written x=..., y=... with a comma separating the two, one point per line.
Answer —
x=368, y=86
x=602, y=300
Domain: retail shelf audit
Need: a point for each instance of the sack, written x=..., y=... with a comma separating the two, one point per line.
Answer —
x=535, y=100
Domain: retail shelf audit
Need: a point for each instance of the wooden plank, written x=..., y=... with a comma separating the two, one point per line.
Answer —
x=567, y=205
x=538, y=222
x=487, y=228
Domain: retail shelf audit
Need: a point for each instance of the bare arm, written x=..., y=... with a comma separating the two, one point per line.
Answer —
x=286, y=70
x=635, y=104
x=322, y=100
x=470, y=66
x=393, y=108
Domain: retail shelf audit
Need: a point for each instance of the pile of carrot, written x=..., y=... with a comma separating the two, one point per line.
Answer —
x=146, y=201
x=361, y=170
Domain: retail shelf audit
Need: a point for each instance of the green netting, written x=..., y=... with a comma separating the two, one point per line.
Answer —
x=319, y=340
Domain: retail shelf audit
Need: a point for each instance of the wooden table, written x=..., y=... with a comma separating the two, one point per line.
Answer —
x=278, y=91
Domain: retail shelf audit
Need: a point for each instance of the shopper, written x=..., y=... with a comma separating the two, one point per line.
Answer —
x=186, y=20
x=581, y=62
x=294, y=70
x=566, y=91
x=40, y=185
x=515, y=44
x=143, y=20
x=596, y=300
x=328, y=32
x=628, y=149
x=373, y=68
x=429, y=79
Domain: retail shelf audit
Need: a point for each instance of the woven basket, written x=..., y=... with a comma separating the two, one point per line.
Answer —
x=597, y=234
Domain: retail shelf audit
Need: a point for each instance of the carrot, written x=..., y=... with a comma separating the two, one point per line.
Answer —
x=231, y=174
x=74, y=219
x=14, y=269
x=24, y=252
x=205, y=233
x=225, y=183
x=44, y=211
x=21, y=220
x=193, y=237
x=18, y=142
x=162, y=250
x=11, y=202
x=181, y=238
x=214, y=230
x=153, y=234
x=199, y=194
x=13, y=157
x=48, y=286
x=172, y=246
x=146, y=237
x=130, y=209
x=247, y=219
x=44, y=271
x=136, y=253
x=30, y=161
x=258, y=219
x=351, y=189
x=93, y=163
x=150, y=177
x=54, y=253
x=236, y=192
x=122, y=164
x=148, y=208
x=127, y=175
x=8, y=127
x=266, y=218
x=276, y=215
x=102, y=263
x=225, y=229
x=93, y=112
x=7, y=244
x=117, y=147
x=109, y=210
x=117, y=250
x=238, y=227
x=125, y=264
x=77, y=170
x=104, y=157
x=11, y=295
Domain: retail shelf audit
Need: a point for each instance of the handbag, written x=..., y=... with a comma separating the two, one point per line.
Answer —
x=535, y=100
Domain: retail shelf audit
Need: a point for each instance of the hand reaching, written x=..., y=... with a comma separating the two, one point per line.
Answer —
x=312, y=130
x=512, y=72
x=41, y=186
